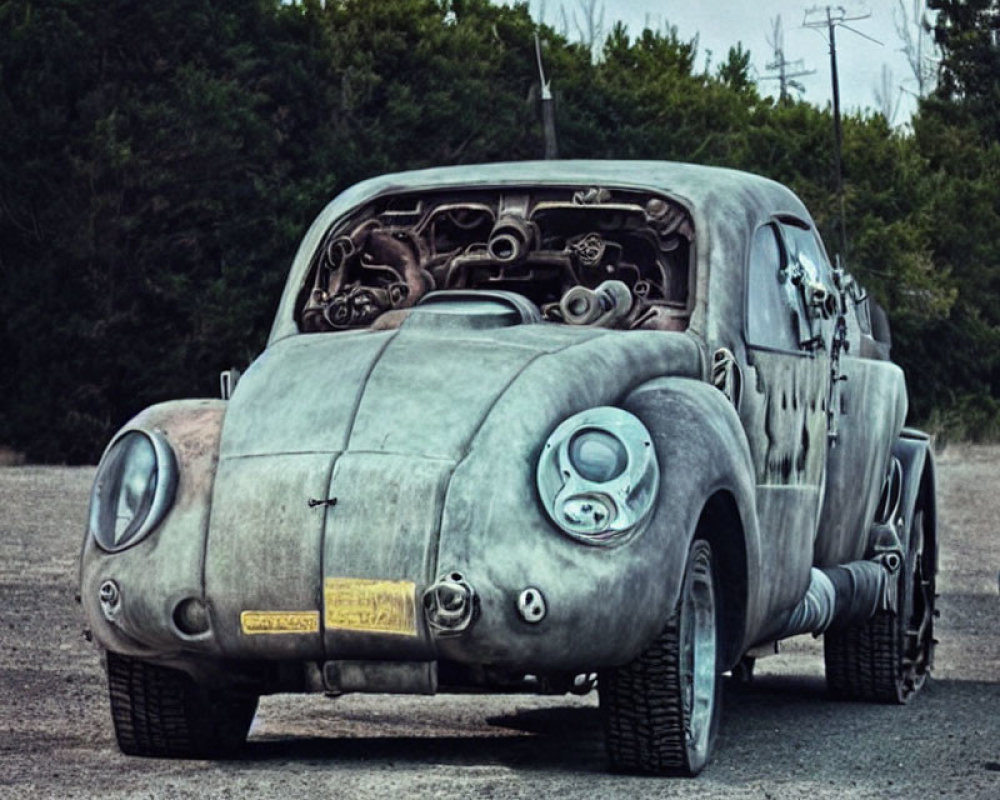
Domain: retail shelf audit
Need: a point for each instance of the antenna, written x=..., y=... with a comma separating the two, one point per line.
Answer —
x=548, y=110
x=830, y=17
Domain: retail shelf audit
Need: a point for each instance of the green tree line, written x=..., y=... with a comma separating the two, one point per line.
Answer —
x=160, y=161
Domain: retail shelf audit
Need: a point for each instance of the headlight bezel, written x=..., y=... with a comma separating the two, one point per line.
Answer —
x=108, y=489
x=575, y=503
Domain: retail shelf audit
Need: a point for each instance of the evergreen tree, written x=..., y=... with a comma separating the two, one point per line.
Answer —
x=160, y=162
x=968, y=92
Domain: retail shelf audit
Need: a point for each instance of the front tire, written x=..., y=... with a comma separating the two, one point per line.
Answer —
x=661, y=711
x=888, y=658
x=164, y=713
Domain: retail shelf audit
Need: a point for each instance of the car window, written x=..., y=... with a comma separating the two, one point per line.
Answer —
x=809, y=270
x=773, y=310
x=804, y=250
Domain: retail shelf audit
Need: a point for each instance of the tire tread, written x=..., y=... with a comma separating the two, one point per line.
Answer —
x=643, y=713
x=162, y=712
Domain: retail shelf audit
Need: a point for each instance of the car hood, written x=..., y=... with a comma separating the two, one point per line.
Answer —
x=426, y=393
x=379, y=424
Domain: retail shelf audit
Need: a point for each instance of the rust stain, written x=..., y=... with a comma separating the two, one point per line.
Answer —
x=790, y=400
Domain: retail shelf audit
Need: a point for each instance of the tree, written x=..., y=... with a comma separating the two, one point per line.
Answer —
x=887, y=95
x=914, y=30
x=968, y=33
x=160, y=162
x=139, y=181
x=957, y=133
x=735, y=71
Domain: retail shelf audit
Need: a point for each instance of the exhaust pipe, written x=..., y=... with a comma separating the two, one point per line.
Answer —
x=846, y=595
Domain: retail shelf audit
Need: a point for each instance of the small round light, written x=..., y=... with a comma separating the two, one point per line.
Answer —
x=588, y=513
x=598, y=455
x=191, y=617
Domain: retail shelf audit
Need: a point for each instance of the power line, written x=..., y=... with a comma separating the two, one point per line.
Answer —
x=830, y=17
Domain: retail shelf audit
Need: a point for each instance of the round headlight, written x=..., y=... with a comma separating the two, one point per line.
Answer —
x=597, y=455
x=597, y=475
x=133, y=489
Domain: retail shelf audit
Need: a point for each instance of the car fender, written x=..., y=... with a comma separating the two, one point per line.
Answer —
x=916, y=457
x=166, y=566
x=707, y=489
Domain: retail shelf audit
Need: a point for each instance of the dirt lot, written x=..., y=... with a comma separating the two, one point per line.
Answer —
x=781, y=736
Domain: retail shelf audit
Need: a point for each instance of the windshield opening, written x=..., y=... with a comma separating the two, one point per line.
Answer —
x=590, y=256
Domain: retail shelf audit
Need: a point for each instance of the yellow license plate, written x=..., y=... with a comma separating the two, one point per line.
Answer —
x=358, y=604
x=255, y=622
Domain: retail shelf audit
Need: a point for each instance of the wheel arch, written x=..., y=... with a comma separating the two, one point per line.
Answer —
x=916, y=457
x=888, y=658
x=721, y=525
x=707, y=491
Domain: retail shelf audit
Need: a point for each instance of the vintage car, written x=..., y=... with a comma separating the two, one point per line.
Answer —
x=529, y=426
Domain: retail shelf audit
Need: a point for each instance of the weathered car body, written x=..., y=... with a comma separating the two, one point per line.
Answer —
x=518, y=426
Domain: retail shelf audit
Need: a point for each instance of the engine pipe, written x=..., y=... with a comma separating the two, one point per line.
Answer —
x=608, y=303
x=511, y=239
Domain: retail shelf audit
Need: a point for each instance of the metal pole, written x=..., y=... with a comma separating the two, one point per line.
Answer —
x=548, y=109
x=837, y=16
x=837, y=135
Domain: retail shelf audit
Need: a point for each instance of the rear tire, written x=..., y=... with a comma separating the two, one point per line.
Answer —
x=163, y=712
x=661, y=711
x=888, y=658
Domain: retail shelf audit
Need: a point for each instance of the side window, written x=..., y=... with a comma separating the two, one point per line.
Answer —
x=804, y=251
x=772, y=307
x=809, y=270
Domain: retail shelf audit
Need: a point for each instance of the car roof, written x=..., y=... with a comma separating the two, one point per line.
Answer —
x=694, y=182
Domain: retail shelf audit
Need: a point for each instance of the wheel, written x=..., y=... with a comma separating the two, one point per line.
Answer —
x=888, y=658
x=661, y=711
x=163, y=712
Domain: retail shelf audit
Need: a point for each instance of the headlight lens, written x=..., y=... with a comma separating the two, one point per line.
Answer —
x=133, y=489
x=598, y=476
x=597, y=455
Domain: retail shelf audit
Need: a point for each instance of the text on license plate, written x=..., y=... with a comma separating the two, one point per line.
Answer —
x=375, y=606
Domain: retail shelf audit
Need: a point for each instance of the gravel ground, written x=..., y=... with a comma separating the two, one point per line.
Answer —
x=781, y=736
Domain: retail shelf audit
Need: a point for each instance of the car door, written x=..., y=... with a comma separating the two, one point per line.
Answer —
x=788, y=334
x=867, y=412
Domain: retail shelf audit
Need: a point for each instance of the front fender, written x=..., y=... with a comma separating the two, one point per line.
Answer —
x=705, y=466
x=913, y=449
x=166, y=566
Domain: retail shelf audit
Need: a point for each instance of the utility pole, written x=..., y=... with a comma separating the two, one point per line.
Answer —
x=830, y=17
x=786, y=79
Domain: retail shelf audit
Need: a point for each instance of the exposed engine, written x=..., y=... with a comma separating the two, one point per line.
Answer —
x=586, y=257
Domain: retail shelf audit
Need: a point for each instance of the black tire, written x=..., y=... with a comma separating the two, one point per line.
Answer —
x=661, y=711
x=888, y=659
x=163, y=712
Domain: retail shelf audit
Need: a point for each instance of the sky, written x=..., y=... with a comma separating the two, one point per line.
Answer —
x=720, y=24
